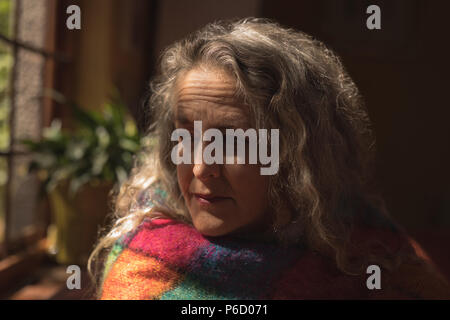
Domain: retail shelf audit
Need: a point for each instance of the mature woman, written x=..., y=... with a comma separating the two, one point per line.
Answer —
x=222, y=229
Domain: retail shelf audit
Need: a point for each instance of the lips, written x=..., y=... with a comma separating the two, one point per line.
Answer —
x=209, y=198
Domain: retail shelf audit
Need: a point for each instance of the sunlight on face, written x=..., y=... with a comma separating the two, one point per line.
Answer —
x=221, y=198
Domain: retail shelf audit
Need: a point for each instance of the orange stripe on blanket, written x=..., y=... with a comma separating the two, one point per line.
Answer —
x=135, y=276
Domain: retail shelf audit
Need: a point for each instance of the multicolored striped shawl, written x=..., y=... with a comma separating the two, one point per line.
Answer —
x=166, y=259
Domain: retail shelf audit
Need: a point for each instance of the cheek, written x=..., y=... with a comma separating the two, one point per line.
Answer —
x=184, y=175
x=249, y=186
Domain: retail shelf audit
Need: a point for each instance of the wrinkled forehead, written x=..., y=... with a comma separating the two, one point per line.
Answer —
x=209, y=95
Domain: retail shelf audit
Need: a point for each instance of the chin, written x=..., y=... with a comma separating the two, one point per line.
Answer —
x=212, y=232
x=210, y=225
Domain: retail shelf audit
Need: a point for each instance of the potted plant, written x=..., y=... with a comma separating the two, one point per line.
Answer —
x=78, y=169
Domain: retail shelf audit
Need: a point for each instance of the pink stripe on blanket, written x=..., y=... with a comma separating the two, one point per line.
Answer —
x=173, y=242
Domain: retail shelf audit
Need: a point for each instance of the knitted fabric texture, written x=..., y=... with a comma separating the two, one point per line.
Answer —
x=166, y=259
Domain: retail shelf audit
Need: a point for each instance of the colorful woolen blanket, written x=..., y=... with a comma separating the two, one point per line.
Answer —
x=166, y=259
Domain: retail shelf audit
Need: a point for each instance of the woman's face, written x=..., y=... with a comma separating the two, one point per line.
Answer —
x=221, y=198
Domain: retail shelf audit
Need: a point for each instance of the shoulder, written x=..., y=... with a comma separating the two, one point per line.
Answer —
x=140, y=253
x=413, y=274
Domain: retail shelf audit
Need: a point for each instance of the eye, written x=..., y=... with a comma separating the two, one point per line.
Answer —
x=233, y=142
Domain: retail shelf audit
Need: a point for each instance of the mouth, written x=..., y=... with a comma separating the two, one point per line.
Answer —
x=206, y=199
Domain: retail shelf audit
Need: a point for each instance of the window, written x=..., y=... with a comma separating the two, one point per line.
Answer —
x=23, y=58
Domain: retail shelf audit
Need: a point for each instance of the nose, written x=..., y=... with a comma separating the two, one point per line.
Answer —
x=203, y=171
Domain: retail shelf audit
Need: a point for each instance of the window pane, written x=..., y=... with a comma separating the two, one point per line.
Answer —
x=26, y=115
x=6, y=64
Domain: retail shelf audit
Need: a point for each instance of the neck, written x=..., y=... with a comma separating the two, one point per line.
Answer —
x=259, y=232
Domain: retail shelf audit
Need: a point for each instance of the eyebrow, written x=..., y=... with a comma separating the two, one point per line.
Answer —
x=182, y=119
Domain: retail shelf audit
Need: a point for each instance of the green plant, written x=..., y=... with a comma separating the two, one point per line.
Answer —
x=99, y=149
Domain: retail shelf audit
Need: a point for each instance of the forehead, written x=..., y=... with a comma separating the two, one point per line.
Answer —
x=209, y=95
